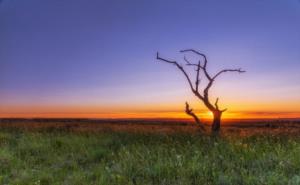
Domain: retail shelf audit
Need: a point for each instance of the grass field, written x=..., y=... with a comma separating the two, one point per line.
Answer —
x=108, y=157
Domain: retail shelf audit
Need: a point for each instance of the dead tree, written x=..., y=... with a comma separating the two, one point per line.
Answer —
x=203, y=95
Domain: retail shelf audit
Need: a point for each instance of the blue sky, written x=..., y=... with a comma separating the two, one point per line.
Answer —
x=102, y=53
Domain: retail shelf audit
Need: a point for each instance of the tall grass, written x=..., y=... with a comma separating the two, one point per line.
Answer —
x=126, y=158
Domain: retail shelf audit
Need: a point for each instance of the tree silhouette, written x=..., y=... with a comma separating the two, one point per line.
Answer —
x=201, y=67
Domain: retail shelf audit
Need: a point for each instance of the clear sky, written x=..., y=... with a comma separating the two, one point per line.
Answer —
x=96, y=58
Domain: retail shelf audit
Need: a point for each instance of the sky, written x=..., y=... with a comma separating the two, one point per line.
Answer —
x=96, y=58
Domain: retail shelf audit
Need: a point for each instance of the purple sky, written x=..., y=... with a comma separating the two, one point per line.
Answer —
x=102, y=53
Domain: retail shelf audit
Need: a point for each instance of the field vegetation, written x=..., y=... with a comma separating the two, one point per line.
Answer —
x=64, y=155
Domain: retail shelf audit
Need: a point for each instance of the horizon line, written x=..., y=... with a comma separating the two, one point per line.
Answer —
x=155, y=115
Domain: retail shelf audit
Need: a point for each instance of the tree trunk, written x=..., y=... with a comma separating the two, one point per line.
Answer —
x=216, y=121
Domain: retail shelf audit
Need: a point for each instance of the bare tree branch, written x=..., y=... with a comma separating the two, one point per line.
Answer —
x=211, y=80
x=188, y=63
x=196, y=52
x=216, y=103
x=224, y=110
x=217, y=106
x=228, y=70
x=205, y=61
x=190, y=112
x=198, y=76
x=179, y=67
x=198, y=68
x=207, y=89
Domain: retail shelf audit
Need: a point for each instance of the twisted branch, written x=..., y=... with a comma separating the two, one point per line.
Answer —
x=179, y=67
x=190, y=112
x=228, y=70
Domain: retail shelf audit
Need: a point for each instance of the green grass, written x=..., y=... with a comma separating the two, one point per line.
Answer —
x=126, y=158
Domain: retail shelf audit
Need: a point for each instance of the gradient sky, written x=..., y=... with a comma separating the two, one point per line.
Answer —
x=96, y=58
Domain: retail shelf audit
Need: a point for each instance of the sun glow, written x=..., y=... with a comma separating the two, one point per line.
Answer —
x=209, y=114
x=206, y=115
x=164, y=111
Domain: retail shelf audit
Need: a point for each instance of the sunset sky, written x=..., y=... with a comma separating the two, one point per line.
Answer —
x=96, y=58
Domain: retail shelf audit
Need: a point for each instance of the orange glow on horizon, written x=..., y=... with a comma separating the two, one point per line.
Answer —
x=137, y=111
x=162, y=115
